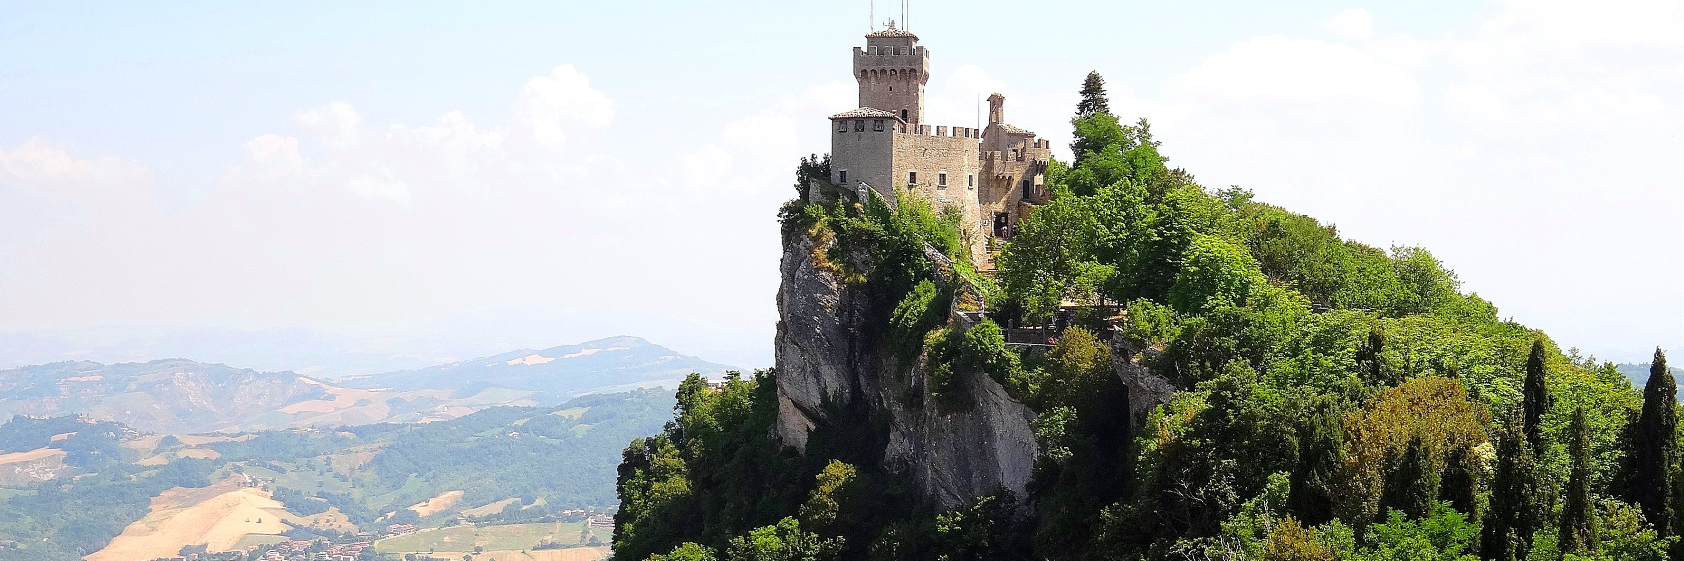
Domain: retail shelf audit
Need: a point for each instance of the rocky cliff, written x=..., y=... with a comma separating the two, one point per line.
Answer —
x=832, y=351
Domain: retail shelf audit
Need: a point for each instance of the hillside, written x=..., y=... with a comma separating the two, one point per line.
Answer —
x=553, y=374
x=176, y=396
x=123, y=493
x=1147, y=369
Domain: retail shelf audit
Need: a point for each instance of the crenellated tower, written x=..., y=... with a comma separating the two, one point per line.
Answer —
x=892, y=69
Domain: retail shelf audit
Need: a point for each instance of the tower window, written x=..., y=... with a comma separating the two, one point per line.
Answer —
x=841, y=126
x=903, y=115
x=842, y=176
x=970, y=181
x=877, y=125
x=912, y=178
x=873, y=50
x=941, y=180
x=1028, y=189
x=859, y=125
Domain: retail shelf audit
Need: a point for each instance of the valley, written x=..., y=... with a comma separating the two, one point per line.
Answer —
x=522, y=465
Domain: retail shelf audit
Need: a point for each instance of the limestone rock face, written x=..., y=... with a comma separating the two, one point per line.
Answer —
x=831, y=350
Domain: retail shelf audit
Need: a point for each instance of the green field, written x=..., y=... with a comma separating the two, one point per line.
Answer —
x=499, y=537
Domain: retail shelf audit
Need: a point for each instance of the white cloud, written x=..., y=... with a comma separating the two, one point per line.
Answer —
x=546, y=103
x=384, y=186
x=1275, y=70
x=335, y=124
x=51, y=170
x=1354, y=23
x=706, y=167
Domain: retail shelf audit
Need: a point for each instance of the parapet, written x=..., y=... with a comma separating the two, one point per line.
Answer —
x=944, y=131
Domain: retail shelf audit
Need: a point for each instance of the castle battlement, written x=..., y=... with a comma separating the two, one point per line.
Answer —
x=993, y=176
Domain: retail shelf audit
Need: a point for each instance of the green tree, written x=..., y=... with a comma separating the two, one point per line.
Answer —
x=1093, y=97
x=1654, y=448
x=1320, y=445
x=1516, y=511
x=1412, y=485
x=1214, y=273
x=830, y=496
x=687, y=551
x=1578, y=514
x=784, y=541
x=1535, y=397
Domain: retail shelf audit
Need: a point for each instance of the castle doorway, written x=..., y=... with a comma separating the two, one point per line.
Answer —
x=1002, y=225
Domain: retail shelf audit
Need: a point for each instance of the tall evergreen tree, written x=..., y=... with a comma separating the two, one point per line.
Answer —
x=1093, y=97
x=1535, y=398
x=1370, y=360
x=1516, y=506
x=1654, y=449
x=1578, y=515
x=1459, y=483
x=1412, y=485
x=1320, y=448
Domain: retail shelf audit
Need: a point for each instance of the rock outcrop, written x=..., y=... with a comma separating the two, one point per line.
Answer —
x=832, y=350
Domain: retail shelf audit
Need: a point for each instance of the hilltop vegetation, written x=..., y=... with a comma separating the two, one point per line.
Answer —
x=531, y=462
x=1331, y=400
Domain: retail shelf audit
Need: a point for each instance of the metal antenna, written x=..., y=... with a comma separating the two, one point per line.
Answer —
x=873, y=15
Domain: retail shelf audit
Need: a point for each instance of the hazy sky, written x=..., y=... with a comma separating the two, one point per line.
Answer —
x=565, y=171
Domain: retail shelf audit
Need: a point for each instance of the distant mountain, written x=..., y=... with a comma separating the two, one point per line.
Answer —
x=554, y=374
x=177, y=396
x=1638, y=373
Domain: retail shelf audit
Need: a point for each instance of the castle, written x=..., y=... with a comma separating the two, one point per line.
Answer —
x=993, y=176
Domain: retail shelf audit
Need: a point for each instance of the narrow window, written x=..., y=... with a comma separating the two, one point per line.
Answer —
x=1028, y=189
x=941, y=180
x=842, y=176
x=877, y=125
x=859, y=125
x=873, y=50
x=970, y=181
x=903, y=115
x=912, y=178
x=841, y=126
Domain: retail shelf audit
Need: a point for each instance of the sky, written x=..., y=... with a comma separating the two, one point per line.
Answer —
x=543, y=173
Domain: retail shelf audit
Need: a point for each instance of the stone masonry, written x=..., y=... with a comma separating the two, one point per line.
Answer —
x=993, y=176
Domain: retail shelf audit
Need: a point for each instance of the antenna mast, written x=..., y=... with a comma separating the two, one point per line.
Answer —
x=873, y=16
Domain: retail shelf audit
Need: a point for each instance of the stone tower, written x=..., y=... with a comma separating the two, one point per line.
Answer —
x=892, y=70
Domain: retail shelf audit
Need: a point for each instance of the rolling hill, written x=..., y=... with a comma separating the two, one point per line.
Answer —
x=178, y=396
x=553, y=374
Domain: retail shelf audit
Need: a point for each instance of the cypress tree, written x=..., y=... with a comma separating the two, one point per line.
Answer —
x=1459, y=484
x=1535, y=398
x=1653, y=448
x=1412, y=485
x=1578, y=515
x=1515, y=513
x=1320, y=447
x=1093, y=97
x=1371, y=362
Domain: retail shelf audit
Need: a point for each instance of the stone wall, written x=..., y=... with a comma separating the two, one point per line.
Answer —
x=932, y=153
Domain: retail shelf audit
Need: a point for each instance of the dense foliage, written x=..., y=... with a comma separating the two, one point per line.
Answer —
x=1334, y=400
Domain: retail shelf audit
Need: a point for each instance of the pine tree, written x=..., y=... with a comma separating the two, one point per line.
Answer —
x=1515, y=513
x=1093, y=97
x=1412, y=485
x=1653, y=448
x=1535, y=398
x=1578, y=515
